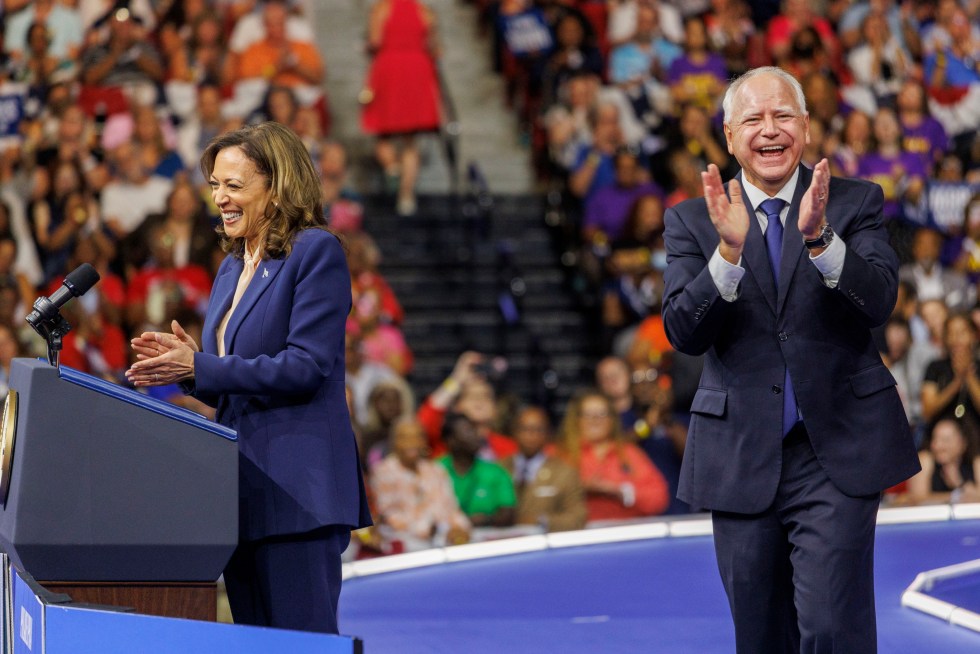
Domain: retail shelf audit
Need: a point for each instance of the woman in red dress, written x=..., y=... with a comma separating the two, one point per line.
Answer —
x=401, y=98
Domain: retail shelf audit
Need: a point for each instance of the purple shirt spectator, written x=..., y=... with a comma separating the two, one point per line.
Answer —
x=608, y=208
x=928, y=139
x=702, y=76
x=891, y=174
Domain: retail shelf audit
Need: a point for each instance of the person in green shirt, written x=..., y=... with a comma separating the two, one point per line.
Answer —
x=484, y=489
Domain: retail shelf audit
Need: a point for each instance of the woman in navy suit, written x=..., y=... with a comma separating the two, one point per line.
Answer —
x=272, y=364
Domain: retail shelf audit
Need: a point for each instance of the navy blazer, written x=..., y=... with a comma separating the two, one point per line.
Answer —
x=846, y=395
x=281, y=387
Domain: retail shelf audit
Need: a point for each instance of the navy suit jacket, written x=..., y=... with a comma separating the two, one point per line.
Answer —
x=846, y=395
x=281, y=387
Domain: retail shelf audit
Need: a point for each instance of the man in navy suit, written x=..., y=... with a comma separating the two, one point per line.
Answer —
x=796, y=425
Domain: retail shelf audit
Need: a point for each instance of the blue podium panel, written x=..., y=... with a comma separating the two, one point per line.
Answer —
x=28, y=617
x=84, y=631
x=106, y=484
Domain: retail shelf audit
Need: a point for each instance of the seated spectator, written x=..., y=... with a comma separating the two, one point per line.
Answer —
x=468, y=392
x=950, y=467
x=614, y=380
x=951, y=387
x=362, y=375
x=608, y=210
x=856, y=142
x=195, y=52
x=921, y=133
x=808, y=56
x=391, y=400
x=62, y=22
x=880, y=64
x=158, y=289
x=953, y=78
x=184, y=224
x=133, y=194
x=796, y=15
x=624, y=20
x=69, y=135
x=619, y=480
x=376, y=311
x=824, y=104
x=341, y=204
x=901, y=175
x=108, y=297
x=693, y=132
x=277, y=59
x=685, y=172
x=968, y=258
x=483, y=489
x=61, y=216
x=898, y=345
x=154, y=137
x=698, y=76
x=634, y=283
x=928, y=326
x=663, y=438
x=903, y=23
x=573, y=53
x=930, y=278
x=567, y=121
x=549, y=492
x=280, y=106
x=250, y=28
x=40, y=69
x=203, y=124
x=414, y=501
x=593, y=167
x=126, y=61
x=95, y=346
x=647, y=54
x=731, y=33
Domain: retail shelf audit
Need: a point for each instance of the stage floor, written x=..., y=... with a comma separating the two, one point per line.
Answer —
x=651, y=596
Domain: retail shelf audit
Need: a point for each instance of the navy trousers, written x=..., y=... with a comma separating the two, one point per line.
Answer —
x=289, y=582
x=799, y=576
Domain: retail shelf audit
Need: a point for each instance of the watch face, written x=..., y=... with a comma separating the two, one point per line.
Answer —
x=8, y=433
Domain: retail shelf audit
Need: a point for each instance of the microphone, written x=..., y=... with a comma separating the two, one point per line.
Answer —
x=77, y=283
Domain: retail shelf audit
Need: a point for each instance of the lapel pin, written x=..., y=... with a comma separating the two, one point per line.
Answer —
x=265, y=273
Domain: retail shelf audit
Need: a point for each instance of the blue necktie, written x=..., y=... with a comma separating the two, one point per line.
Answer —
x=774, y=244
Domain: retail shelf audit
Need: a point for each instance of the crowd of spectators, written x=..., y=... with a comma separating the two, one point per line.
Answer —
x=620, y=101
x=107, y=104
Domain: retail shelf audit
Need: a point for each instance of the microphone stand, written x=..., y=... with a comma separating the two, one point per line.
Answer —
x=53, y=330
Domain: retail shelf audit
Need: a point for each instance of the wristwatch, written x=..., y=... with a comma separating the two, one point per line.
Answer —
x=823, y=239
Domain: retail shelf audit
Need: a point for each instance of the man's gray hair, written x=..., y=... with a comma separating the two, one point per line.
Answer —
x=729, y=99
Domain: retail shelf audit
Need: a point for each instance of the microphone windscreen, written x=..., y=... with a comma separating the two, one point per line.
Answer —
x=81, y=279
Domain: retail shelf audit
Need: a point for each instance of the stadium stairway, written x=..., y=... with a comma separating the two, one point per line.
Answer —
x=484, y=273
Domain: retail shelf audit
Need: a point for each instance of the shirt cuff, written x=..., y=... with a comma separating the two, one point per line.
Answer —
x=830, y=262
x=726, y=276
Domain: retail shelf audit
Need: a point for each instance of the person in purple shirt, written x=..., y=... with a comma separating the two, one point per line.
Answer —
x=607, y=211
x=699, y=75
x=921, y=133
x=900, y=174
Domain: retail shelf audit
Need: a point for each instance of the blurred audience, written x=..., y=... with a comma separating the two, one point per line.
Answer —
x=619, y=480
x=483, y=488
x=549, y=492
x=414, y=502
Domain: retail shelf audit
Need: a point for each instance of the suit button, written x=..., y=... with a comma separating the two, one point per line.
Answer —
x=783, y=336
x=776, y=390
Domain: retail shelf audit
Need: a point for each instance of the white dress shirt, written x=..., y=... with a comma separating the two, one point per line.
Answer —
x=726, y=276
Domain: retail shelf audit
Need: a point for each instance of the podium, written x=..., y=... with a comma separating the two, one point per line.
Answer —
x=113, y=497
